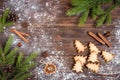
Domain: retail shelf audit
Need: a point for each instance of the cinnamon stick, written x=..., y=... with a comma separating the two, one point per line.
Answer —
x=96, y=37
x=104, y=39
x=24, y=34
x=21, y=36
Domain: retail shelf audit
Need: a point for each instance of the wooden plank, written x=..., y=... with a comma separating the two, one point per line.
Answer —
x=68, y=31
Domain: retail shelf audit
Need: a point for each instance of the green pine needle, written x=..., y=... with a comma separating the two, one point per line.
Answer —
x=8, y=24
x=26, y=67
x=23, y=76
x=84, y=17
x=74, y=11
x=19, y=59
x=29, y=58
x=95, y=10
x=101, y=20
x=1, y=49
x=108, y=19
x=8, y=44
x=5, y=15
x=19, y=75
x=20, y=65
x=3, y=20
x=10, y=57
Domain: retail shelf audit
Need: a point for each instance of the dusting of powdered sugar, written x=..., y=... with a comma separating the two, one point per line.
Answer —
x=108, y=71
x=63, y=72
x=40, y=14
x=35, y=11
x=112, y=67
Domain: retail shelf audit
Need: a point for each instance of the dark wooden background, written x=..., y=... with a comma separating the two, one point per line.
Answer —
x=69, y=31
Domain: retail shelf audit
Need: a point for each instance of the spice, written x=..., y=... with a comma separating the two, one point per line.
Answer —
x=19, y=44
x=104, y=39
x=24, y=34
x=96, y=38
x=45, y=54
x=24, y=24
x=49, y=68
x=20, y=35
x=107, y=34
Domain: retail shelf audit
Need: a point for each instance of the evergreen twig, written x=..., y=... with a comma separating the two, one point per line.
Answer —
x=3, y=20
x=13, y=65
x=94, y=9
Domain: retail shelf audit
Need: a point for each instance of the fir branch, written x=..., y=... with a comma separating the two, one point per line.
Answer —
x=108, y=19
x=11, y=56
x=19, y=75
x=0, y=54
x=74, y=11
x=1, y=49
x=4, y=17
x=101, y=20
x=3, y=20
x=13, y=65
x=96, y=11
x=84, y=3
x=8, y=24
x=19, y=59
x=8, y=44
x=30, y=57
x=24, y=76
x=0, y=21
x=26, y=67
x=84, y=17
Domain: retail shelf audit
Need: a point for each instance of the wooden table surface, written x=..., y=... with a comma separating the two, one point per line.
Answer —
x=69, y=31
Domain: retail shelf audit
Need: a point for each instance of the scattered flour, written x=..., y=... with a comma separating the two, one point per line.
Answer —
x=112, y=67
x=40, y=14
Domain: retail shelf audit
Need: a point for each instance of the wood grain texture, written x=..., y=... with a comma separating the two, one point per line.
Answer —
x=69, y=31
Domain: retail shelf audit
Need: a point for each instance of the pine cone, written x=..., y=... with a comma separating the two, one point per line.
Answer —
x=12, y=17
x=8, y=69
